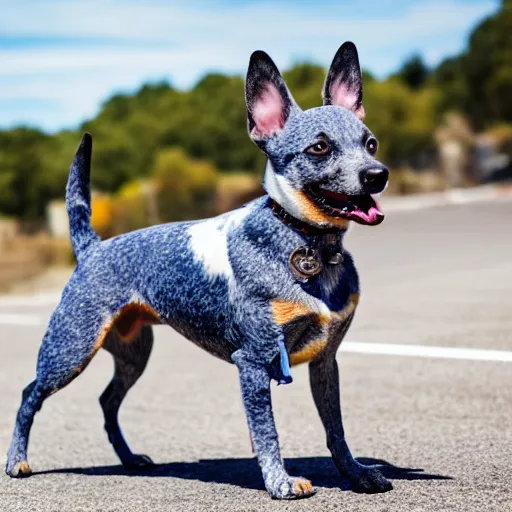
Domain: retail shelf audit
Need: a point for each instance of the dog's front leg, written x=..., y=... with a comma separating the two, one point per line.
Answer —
x=255, y=385
x=324, y=379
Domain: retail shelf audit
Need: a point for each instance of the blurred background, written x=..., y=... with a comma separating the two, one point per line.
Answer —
x=425, y=368
x=160, y=87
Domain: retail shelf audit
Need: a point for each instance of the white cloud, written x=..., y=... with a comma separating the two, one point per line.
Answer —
x=132, y=42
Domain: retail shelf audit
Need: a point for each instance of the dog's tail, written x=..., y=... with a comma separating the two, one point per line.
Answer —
x=78, y=199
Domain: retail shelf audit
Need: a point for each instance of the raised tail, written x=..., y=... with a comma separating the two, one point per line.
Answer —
x=78, y=199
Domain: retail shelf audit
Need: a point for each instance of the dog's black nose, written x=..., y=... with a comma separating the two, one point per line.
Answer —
x=374, y=180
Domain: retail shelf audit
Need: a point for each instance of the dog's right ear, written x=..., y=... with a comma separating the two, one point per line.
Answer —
x=269, y=102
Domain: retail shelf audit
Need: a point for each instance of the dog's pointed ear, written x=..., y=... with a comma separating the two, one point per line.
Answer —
x=269, y=102
x=344, y=84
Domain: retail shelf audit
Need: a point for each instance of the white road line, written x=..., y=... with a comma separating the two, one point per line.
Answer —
x=391, y=349
x=20, y=319
x=481, y=194
x=355, y=347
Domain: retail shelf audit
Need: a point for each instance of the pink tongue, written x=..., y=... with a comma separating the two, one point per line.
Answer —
x=371, y=216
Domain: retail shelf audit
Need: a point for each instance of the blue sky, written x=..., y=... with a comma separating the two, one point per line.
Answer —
x=60, y=59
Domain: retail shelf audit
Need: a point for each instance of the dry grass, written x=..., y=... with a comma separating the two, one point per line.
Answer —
x=235, y=189
x=24, y=257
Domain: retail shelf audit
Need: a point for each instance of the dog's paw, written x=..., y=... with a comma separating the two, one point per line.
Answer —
x=18, y=470
x=370, y=481
x=138, y=463
x=290, y=488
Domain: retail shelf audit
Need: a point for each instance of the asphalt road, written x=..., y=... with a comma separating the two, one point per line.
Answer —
x=442, y=428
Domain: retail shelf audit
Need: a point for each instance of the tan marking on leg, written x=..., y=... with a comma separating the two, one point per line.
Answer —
x=22, y=469
x=284, y=311
x=313, y=214
x=145, y=316
x=129, y=321
x=353, y=301
x=309, y=352
x=80, y=368
x=99, y=343
x=324, y=320
x=316, y=346
x=302, y=486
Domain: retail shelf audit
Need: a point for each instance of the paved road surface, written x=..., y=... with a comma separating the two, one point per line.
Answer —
x=438, y=277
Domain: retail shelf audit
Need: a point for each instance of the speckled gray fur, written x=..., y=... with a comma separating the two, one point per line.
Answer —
x=215, y=281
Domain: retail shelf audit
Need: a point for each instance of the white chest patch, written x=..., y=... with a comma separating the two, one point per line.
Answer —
x=209, y=242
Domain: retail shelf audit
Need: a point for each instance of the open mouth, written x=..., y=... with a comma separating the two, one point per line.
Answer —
x=362, y=209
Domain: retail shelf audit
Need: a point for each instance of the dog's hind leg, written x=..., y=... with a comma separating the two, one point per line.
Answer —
x=76, y=331
x=130, y=360
x=32, y=399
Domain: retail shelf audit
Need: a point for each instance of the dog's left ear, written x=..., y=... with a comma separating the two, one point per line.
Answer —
x=344, y=84
x=269, y=102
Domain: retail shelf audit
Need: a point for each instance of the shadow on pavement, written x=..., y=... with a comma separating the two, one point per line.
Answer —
x=245, y=472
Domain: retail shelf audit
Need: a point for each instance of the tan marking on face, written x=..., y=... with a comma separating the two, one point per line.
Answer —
x=312, y=212
x=284, y=311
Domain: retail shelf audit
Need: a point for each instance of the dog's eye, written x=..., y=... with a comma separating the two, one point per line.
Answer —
x=318, y=148
x=371, y=145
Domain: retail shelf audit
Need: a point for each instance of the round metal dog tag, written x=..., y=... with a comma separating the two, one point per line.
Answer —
x=304, y=263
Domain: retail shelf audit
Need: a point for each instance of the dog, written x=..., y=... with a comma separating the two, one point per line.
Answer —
x=265, y=287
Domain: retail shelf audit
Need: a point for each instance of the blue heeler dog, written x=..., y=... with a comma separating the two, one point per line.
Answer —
x=266, y=286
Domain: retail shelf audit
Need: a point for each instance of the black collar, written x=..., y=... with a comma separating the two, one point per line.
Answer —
x=324, y=245
x=299, y=225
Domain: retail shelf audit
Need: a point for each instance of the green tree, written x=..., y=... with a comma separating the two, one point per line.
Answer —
x=185, y=187
x=414, y=72
x=479, y=81
x=208, y=123
x=402, y=119
x=22, y=173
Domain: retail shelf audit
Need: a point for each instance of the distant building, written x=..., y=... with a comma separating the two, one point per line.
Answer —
x=8, y=229
x=58, y=224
